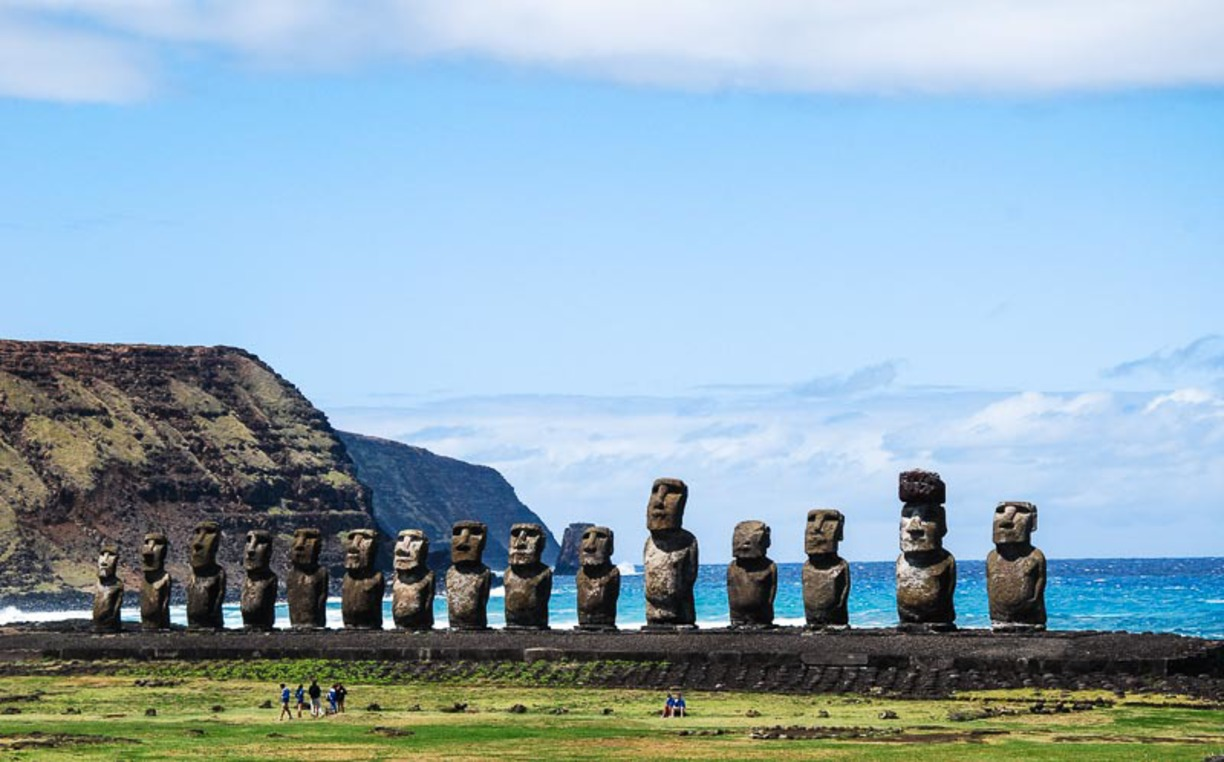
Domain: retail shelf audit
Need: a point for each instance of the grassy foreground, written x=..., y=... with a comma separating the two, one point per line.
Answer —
x=214, y=712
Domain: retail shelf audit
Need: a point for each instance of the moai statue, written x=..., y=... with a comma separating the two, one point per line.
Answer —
x=260, y=586
x=467, y=581
x=108, y=593
x=412, y=592
x=826, y=575
x=670, y=559
x=752, y=579
x=206, y=586
x=528, y=581
x=598, y=580
x=361, y=595
x=306, y=581
x=926, y=573
x=1016, y=571
x=155, y=589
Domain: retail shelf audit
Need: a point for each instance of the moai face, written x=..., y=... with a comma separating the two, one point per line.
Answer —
x=824, y=531
x=526, y=544
x=750, y=540
x=665, y=510
x=411, y=549
x=204, y=541
x=596, y=547
x=468, y=541
x=359, y=549
x=257, y=553
x=108, y=560
x=307, y=542
x=1014, y=522
x=922, y=527
x=153, y=552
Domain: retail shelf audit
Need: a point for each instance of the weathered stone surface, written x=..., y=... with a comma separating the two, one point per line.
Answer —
x=156, y=586
x=108, y=593
x=468, y=579
x=568, y=560
x=752, y=578
x=826, y=575
x=206, y=585
x=670, y=559
x=1016, y=571
x=414, y=487
x=306, y=581
x=259, y=589
x=926, y=573
x=527, y=580
x=598, y=580
x=413, y=590
x=362, y=592
x=101, y=442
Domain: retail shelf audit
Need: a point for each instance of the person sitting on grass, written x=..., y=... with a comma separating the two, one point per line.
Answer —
x=285, y=704
x=675, y=706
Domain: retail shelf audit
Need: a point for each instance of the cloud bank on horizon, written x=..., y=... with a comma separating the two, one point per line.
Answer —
x=1115, y=473
x=126, y=50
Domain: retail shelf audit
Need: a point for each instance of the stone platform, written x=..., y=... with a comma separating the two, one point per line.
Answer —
x=786, y=659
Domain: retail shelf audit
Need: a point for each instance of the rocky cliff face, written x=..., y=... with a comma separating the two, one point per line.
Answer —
x=106, y=442
x=568, y=559
x=416, y=489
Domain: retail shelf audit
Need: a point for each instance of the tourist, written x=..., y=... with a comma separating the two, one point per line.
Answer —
x=331, y=700
x=675, y=706
x=341, y=692
x=300, y=695
x=316, y=709
x=284, y=712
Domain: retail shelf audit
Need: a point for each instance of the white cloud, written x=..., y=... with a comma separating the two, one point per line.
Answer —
x=800, y=45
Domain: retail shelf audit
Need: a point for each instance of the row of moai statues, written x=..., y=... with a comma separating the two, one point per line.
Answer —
x=925, y=574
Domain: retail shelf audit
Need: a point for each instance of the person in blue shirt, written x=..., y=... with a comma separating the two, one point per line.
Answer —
x=675, y=706
x=331, y=700
x=285, y=703
x=300, y=695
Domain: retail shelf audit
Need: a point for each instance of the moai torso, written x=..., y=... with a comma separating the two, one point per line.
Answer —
x=1016, y=571
x=108, y=593
x=528, y=581
x=363, y=586
x=669, y=558
x=258, y=601
x=155, y=588
x=206, y=585
x=926, y=573
x=598, y=580
x=752, y=579
x=826, y=575
x=468, y=579
x=306, y=581
x=412, y=593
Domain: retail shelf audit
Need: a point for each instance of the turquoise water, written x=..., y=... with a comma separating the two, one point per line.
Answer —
x=1179, y=595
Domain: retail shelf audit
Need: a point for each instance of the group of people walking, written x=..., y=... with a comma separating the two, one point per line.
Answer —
x=335, y=699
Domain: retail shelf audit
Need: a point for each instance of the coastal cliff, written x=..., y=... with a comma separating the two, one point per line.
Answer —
x=414, y=488
x=106, y=442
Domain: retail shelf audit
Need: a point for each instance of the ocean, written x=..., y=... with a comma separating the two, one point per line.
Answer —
x=1178, y=595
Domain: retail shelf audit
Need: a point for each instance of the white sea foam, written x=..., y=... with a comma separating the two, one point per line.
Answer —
x=12, y=615
x=1214, y=601
x=627, y=569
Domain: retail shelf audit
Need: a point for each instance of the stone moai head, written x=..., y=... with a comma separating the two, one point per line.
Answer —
x=108, y=561
x=359, y=548
x=204, y=540
x=257, y=553
x=468, y=541
x=153, y=552
x=526, y=544
x=1014, y=522
x=307, y=542
x=750, y=540
x=596, y=547
x=411, y=549
x=825, y=529
x=923, y=521
x=665, y=511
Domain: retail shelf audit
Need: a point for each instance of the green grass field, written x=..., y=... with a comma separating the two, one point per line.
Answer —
x=51, y=715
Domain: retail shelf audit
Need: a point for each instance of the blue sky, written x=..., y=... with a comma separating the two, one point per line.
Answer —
x=781, y=250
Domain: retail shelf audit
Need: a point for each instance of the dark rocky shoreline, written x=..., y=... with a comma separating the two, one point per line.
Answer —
x=788, y=660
